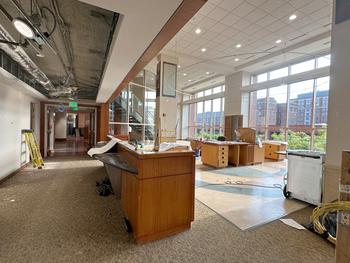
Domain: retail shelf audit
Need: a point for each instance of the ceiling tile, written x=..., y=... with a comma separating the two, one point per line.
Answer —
x=209, y=35
x=267, y=20
x=220, y=38
x=218, y=13
x=271, y=5
x=229, y=5
x=313, y=6
x=218, y=28
x=276, y=26
x=230, y=19
x=284, y=11
x=256, y=2
x=207, y=23
x=298, y=3
x=241, y=24
x=207, y=8
x=243, y=9
x=255, y=15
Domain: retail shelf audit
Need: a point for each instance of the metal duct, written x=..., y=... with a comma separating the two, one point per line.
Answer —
x=18, y=54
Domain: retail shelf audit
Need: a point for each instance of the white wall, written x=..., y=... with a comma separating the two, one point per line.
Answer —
x=61, y=125
x=233, y=96
x=15, y=100
x=338, y=131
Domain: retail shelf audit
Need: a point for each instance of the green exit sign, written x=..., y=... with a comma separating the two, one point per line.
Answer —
x=73, y=104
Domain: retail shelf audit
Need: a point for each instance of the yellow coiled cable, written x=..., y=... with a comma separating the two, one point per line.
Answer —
x=320, y=212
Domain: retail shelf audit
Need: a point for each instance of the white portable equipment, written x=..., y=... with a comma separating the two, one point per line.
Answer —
x=305, y=178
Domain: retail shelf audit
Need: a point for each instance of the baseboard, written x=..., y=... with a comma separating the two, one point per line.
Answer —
x=2, y=180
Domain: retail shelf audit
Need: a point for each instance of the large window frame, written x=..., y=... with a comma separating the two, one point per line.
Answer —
x=201, y=121
x=312, y=128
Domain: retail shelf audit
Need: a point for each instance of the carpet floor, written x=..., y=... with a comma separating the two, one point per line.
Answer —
x=55, y=215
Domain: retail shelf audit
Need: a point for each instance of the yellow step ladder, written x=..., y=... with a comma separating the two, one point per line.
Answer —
x=35, y=154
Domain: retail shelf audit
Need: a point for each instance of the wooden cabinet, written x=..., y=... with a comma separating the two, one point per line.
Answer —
x=251, y=154
x=158, y=201
x=272, y=147
x=215, y=155
x=232, y=123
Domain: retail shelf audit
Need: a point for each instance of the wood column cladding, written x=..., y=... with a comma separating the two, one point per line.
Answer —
x=343, y=231
x=103, y=122
x=158, y=200
x=186, y=10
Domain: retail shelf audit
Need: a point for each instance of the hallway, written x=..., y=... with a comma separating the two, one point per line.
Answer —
x=55, y=215
x=71, y=146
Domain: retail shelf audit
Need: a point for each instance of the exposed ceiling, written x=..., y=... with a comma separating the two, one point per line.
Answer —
x=254, y=24
x=80, y=39
x=140, y=22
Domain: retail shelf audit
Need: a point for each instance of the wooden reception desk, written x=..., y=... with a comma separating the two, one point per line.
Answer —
x=157, y=195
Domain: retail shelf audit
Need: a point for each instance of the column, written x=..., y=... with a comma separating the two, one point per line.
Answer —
x=166, y=99
x=339, y=94
x=233, y=95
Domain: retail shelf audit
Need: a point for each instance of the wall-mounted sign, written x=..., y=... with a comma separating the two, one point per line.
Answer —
x=73, y=104
x=169, y=79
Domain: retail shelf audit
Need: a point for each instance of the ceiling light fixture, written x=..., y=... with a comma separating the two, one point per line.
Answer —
x=207, y=72
x=236, y=59
x=238, y=45
x=203, y=49
x=292, y=17
x=178, y=66
x=185, y=74
x=23, y=27
x=189, y=80
x=278, y=41
x=198, y=31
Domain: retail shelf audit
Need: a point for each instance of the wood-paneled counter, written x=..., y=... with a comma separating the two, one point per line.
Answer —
x=158, y=201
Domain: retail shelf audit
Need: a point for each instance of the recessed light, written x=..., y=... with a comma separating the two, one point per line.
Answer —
x=185, y=74
x=203, y=49
x=238, y=45
x=236, y=59
x=278, y=41
x=207, y=72
x=292, y=17
x=198, y=31
x=189, y=80
x=178, y=66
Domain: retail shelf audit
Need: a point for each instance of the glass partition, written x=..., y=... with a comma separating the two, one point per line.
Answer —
x=132, y=113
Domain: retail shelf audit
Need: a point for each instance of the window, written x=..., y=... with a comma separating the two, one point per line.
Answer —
x=323, y=61
x=300, y=101
x=279, y=73
x=217, y=89
x=257, y=108
x=296, y=113
x=277, y=112
x=261, y=78
x=207, y=92
x=303, y=66
x=199, y=94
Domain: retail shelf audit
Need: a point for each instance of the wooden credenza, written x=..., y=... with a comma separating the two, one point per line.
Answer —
x=158, y=201
x=215, y=154
x=271, y=149
x=220, y=154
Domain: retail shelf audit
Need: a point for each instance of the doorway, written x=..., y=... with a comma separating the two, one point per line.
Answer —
x=69, y=132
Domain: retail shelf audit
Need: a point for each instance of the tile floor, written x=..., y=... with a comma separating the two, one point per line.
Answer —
x=245, y=206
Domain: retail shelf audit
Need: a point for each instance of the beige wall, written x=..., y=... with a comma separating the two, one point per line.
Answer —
x=338, y=138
